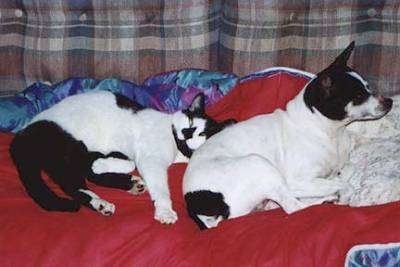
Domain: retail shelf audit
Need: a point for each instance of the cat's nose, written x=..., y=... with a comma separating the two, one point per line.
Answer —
x=188, y=132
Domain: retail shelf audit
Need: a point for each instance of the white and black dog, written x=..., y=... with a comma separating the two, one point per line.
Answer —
x=285, y=156
x=103, y=136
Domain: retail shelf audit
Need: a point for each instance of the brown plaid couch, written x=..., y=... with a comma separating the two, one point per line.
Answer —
x=49, y=41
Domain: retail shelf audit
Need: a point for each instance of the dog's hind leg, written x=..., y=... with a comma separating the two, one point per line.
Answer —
x=320, y=190
x=255, y=179
x=316, y=188
x=273, y=184
x=285, y=198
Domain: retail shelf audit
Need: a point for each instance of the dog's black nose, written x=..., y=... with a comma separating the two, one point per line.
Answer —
x=188, y=132
x=387, y=103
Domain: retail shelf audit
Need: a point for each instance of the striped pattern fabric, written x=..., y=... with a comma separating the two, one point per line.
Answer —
x=308, y=34
x=49, y=41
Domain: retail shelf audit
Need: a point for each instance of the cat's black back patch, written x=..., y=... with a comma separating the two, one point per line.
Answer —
x=208, y=203
x=126, y=103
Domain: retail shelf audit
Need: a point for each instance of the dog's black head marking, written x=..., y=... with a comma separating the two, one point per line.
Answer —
x=338, y=92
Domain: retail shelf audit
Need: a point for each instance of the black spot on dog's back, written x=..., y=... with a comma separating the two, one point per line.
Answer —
x=126, y=103
x=205, y=202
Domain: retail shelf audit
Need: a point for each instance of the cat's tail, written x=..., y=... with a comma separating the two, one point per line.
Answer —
x=26, y=157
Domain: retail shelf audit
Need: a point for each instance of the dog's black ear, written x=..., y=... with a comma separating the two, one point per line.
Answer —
x=342, y=59
x=198, y=104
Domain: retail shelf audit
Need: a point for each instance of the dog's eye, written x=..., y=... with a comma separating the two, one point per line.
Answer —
x=202, y=134
x=360, y=96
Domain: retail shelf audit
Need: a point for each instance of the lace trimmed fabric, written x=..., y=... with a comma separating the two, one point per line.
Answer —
x=374, y=166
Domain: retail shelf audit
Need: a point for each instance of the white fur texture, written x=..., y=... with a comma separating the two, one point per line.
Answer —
x=374, y=166
x=110, y=164
x=371, y=108
x=145, y=137
x=284, y=157
x=280, y=156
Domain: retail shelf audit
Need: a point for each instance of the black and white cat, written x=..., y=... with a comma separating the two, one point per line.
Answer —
x=103, y=137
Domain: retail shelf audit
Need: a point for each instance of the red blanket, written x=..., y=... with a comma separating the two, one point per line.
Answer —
x=317, y=236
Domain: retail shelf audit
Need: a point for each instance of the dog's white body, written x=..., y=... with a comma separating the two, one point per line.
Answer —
x=290, y=157
x=265, y=153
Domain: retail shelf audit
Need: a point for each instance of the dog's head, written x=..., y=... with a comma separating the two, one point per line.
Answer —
x=340, y=93
x=192, y=126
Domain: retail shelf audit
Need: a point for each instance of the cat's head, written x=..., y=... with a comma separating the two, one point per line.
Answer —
x=192, y=126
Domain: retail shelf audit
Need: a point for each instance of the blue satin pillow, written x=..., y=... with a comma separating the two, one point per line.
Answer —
x=167, y=92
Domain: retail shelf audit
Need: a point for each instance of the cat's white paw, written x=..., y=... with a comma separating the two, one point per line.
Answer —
x=104, y=207
x=165, y=215
x=139, y=186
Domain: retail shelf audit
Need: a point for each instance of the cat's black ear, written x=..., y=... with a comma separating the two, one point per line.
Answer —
x=341, y=60
x=198, y=104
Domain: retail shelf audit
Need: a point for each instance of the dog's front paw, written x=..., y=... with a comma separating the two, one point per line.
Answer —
x=165, y=215
x=139, y=186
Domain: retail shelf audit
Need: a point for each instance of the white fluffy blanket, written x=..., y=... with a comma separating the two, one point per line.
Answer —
x=374, y=166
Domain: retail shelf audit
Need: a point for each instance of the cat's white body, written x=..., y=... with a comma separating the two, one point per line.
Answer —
x=80, y=117
x=103, y=136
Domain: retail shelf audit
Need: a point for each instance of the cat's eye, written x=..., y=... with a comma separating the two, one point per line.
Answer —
x=202, y=134
x=188, y=132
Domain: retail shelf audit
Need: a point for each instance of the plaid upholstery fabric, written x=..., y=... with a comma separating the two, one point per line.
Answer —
x=54, y=40
x=308, y=34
